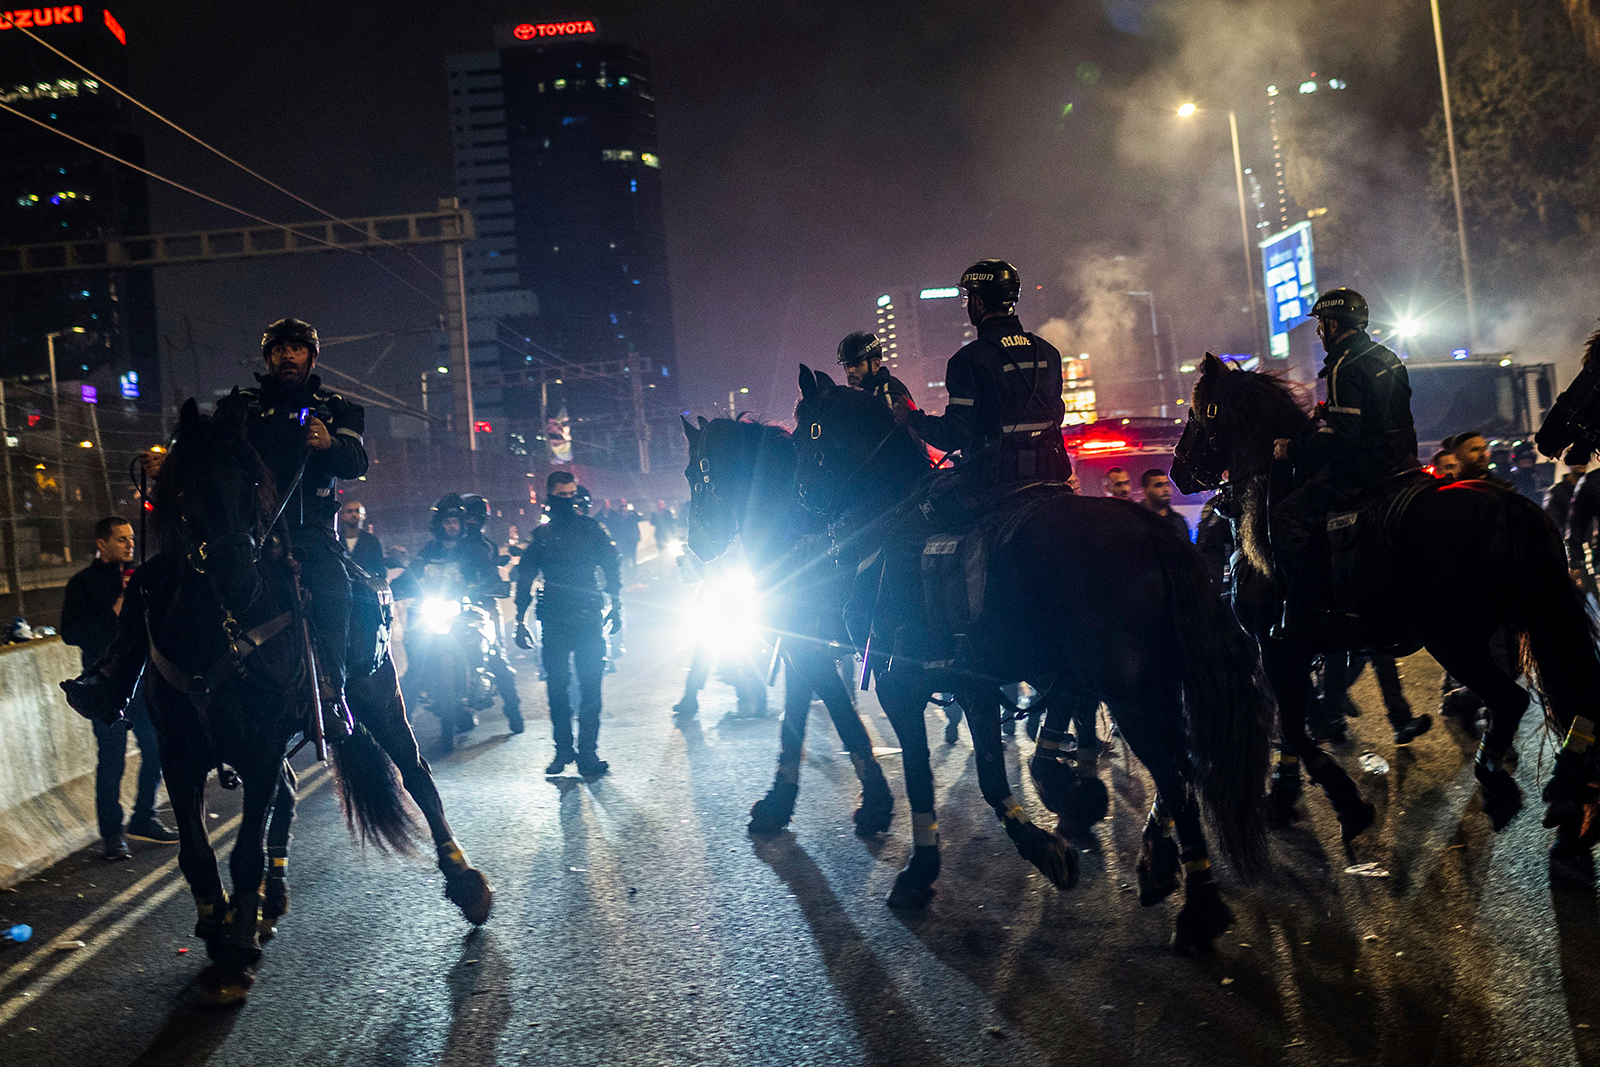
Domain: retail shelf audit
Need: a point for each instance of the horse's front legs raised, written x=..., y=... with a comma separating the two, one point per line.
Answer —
x=1049, y=852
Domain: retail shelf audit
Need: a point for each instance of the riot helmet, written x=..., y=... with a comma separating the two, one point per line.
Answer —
x=475, y=511
x=1345, y=306
x=995, y=280
x=293, y=331
x=448, y=507
x=858, y=348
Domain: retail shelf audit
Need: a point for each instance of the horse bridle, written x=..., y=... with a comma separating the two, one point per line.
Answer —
x=855, y=472
x=1208, y=434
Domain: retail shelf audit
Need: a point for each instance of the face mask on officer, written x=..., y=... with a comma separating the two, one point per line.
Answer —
x=563, y=500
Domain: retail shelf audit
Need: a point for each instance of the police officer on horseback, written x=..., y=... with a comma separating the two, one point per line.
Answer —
x=1363, y=435
x=1005, y=409
x=861, y=356
x=300, y=430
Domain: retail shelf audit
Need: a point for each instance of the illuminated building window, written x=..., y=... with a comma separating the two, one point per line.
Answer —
x=617, y=155
x=650, y=159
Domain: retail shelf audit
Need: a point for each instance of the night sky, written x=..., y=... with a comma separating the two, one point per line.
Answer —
x=813, y=154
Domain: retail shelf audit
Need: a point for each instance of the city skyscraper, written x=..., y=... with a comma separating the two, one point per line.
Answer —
x=53, y=190
x=568, y=302
x=921, y=328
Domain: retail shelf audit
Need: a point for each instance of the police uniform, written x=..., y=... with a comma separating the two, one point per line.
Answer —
x=478, y=564
x=1005, y=409
x=886, y=387
x=275, y=424
x=568, y=550
x=1366, y=435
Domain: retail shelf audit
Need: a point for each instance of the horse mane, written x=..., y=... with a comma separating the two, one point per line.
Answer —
x=198, y=445
x=1591, y=348
x=1271, y=390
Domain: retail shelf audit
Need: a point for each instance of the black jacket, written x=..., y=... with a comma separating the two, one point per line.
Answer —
x=569, y=551
x=275, y=425
x=1558, y=503
x=87, y=620
x=368, y=553
x=1581, y=518
x=1366, y=432
x=1005, y=398
x=885, y=386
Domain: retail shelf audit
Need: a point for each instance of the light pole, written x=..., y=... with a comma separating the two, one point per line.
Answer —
x=1188, y=111
x=1155, y=344
x=1455, y=178
x=61, y=452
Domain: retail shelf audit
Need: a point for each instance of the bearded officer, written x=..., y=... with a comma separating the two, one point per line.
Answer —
x=861, y=356
x=1364, y=435
x=288, y=417
x=1005, y=410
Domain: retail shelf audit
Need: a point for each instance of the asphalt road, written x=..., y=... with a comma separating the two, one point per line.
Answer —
x=636, y=922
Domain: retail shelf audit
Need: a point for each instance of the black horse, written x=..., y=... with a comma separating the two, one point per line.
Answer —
x=231, y=687
x=1096, y=595
x=741, y=480
x=1466, y=560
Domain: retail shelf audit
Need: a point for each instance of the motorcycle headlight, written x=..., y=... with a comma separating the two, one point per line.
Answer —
x=439, y=615
x=727, y=613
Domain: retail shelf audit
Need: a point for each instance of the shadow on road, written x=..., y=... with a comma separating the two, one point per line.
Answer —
x=887, y=1025
x=480, y=1001
x=1578, y=941
x=190, y=1036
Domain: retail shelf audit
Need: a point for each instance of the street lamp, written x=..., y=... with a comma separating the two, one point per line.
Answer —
x=1155, y=344
x=1188, y=110
x=61, y=453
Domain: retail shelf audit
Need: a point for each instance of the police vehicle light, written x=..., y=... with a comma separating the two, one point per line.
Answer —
x=1186, y=110
x=1102, y=446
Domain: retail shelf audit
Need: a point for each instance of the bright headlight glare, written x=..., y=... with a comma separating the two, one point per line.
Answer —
x=439, y=615
x=725, y=614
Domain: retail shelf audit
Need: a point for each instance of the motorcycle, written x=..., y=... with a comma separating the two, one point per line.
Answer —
x=451, y=640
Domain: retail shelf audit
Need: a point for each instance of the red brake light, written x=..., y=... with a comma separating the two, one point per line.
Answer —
x=1101, y=445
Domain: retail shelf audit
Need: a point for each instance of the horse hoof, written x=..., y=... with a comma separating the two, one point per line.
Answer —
x=274, y=906
x=1056, y=859
x=1354, y=822
x=1502, y=797
x=1054, y=780
x=910, y=896
x=1571, y=867
x=913, y=887
x=1159, y=870
x=1203, y=919
x=469, y=890
x=224, y=986
x=873, y=817
x=772, y=812
x=1090, y=801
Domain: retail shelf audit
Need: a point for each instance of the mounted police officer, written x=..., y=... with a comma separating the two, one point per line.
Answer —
x=289, y=419
x=568, y=551
x=861, y=356
x=1005, y=409
x=1362, y=436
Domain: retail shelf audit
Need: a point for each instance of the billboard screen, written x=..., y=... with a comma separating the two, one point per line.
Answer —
x=1291, y=283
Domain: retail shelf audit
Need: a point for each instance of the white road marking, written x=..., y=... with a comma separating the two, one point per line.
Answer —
x=71, y=963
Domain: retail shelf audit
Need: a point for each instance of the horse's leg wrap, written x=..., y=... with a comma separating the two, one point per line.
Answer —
x=213, y=916
x=1571, y=791
x=1051, y=774
x=772, y=812
x=1502, y=797
x=1204, y=917
x=274, y=892
x=877, y=802
x=1283, y=799
x=1159, y=862
x=1056, y=859
x=238, y=947
x=464, y=885
x=1355, y=814
x=913, y=886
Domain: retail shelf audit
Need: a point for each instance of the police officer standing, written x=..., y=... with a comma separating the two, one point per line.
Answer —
x=1005, y=409
x=1363, y=436
x=568, y=550
x=861, y=356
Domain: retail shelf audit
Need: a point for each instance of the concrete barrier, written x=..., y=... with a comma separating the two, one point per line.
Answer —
x=47, y=759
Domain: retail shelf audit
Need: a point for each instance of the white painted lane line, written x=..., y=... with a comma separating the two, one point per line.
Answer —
x=308, y=784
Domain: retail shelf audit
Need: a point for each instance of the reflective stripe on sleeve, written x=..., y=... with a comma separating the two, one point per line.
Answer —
x=1026, y=427
x=961, y=401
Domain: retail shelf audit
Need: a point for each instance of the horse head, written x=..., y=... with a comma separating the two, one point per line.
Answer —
x=740, y=473
x=1574, y=419
x=215, y=499
x=847, y=440
x=1234, y=418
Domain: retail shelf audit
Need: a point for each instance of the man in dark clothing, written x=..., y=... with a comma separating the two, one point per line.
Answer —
x=289, y=419
x=1158, y=498
x=1214, y=539
x=1005, y=409
x=1580, y=532
x=89, y=620
x=568, y=551
x=1365, y=435
x=624, y=529
x=363, y=547
x=861, y=356
x=1558, y=498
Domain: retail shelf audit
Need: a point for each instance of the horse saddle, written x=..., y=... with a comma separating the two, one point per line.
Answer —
x=956, y=563
x=371, y=622
x=1361, y=554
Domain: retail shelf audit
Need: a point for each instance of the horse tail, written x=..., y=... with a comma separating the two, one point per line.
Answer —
x=1558, y=636
x=1226, y=710
x=371, y=794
